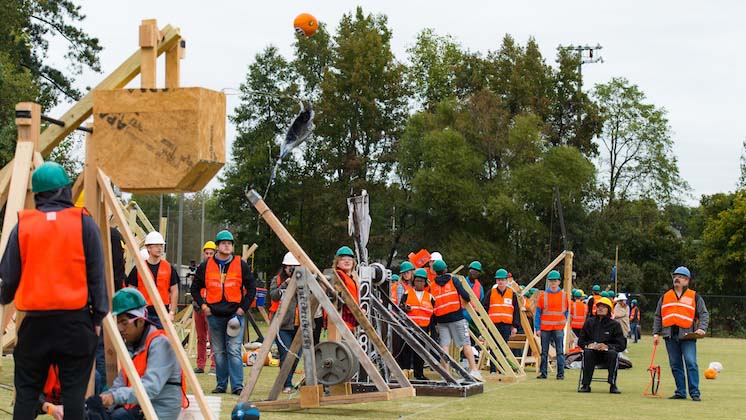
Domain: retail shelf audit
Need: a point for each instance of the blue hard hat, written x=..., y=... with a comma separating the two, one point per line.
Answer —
x=682, y=271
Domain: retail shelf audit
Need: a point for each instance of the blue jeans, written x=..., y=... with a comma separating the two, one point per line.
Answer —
x=633, y=330
x=284, y=340
x=557, y=337
x=504, y=330
x=682, y=353
x=227, y=351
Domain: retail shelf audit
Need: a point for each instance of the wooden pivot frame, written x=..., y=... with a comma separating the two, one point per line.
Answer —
x=567, y=257
x=318, y=287
x=494, y=346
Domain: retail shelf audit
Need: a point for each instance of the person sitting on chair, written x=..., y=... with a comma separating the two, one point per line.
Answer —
x=602, y=340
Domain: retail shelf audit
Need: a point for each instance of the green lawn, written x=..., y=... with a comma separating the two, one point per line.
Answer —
x=722, y=398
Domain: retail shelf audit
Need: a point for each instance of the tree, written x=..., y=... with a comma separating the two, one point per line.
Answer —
x=742, y=176
x=637, y=157
x=434, y=65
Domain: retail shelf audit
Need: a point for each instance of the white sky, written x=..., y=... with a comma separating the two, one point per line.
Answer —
x=685, y=55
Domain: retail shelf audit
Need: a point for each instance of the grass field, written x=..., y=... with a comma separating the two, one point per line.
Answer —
x=722, y=397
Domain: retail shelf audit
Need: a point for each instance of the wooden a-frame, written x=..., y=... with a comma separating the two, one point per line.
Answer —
x=318, y=286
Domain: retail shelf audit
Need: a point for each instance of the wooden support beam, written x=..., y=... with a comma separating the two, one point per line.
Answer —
x=568, y=291
x=160, y=308
x=173, y=67
x=544, y=272
x=148, y=53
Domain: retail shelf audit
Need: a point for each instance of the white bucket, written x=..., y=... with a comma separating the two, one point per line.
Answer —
x=193, y=412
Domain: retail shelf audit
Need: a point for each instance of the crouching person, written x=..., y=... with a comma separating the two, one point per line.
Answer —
x=602, y=340
x=154, y=360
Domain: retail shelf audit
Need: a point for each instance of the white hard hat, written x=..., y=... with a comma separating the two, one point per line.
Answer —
x=435, y=256
x=621, y=296
x=154, y=238
x=289, y=259
x=144, y=254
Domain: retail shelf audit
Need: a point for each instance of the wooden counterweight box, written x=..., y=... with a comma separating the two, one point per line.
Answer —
x=159, y=140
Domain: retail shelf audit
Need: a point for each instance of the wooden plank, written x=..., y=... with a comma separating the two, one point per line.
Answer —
x=263, y=312
x=544, y=272
x=148, y=53
x=77, y=187
x=160, y=308
x=111, y=361
x=568, y=291
x=310, y=395
x=173, y=67
x=111, y=330
x=29, y=129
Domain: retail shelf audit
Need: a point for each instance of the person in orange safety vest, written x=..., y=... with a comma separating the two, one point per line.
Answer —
x=681, y=311
x=502, y=307
x=418, y=303
x=549, y=323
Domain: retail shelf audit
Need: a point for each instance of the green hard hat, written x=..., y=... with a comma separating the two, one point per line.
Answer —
x=223, y=235
x=395, y=277
x=501, y=274
x=596, y=288
x=421, y=273
x=49, y=177
x=127, y=299
x=439, y=265
x=554, y=275
x=345, y=251
x=577, y=293
x=406, y=266
x=475, y=265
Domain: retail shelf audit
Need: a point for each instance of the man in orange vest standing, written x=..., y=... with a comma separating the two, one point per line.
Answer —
x=200, y=320
x=154, y=360
x=502, y=307
x=53, y=267
x=164, y=273
x=229, y=290
x=418, y=304
x=449, y=316
x=681, y=311
x=549, y=323
x=578, y=312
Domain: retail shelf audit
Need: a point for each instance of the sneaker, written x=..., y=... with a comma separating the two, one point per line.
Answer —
x=237, y=391
x=476, y=375
x=218, y=390
x=287, y=390
x=676, y=397
x=421, y=377
x=212, y=372
x=541, y=376
x=199, y=370
x=560, y=377
x=614, y=390
x=696, y=398
x=585, y=388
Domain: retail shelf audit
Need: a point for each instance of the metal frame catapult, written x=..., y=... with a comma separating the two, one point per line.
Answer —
x=144, y=140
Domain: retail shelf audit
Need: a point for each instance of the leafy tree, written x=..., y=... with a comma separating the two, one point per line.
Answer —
x=636, y=158
x=435, y=63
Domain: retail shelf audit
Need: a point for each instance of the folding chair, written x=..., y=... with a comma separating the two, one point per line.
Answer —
x=599, y=366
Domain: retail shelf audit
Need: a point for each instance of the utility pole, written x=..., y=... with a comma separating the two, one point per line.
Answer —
x=585, y=55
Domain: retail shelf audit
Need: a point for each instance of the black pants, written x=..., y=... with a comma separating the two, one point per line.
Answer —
x=409, y=359
x=67, y=340
x=593, y=357
x=504, y=330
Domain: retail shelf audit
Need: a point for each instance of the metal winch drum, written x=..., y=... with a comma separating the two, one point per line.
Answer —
x=335, y=362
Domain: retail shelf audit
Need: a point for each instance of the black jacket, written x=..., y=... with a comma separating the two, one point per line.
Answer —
x=225, y=308
x=602, y=330
x=10, y=266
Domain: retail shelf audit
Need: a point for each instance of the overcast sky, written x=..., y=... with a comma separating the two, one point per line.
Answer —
x=686, y=56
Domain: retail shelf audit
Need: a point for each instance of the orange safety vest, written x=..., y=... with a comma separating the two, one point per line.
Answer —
x=422, y=311
x=501, y=306
x=578, y=312
x=553, y=307
x=275, y=305
x=679, y=311
x=634, y=314
x=53, y=267
x=52, y=387
x=352, y=287
x=162, y=283
x=141, y=365
x=228, y=284
x=596, y=298
x=446, y=297
x=393, y=294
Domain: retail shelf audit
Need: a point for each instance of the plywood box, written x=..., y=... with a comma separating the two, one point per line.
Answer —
x=159, y=140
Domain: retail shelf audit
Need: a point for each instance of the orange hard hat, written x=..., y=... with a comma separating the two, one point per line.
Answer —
x=305, y=24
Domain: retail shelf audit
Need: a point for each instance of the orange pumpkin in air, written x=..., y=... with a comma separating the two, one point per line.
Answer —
x=305, y=24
